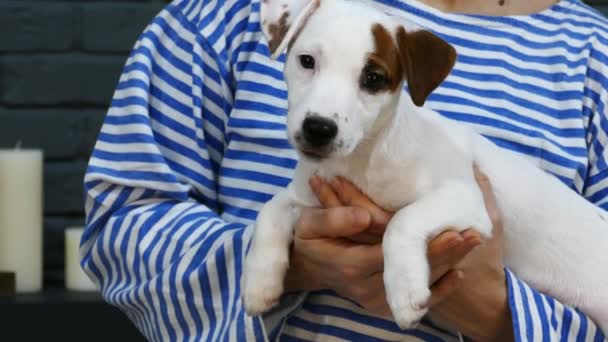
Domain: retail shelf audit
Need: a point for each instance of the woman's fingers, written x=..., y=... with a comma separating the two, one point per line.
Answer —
x=448, y=249
x=489, y=199
x=340, y=192
x=344, y=259
x=350, y=195
x=336, y=222
x=325, y=194
x=438, y=246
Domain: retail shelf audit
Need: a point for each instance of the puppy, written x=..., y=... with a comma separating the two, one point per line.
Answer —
x=347, y=117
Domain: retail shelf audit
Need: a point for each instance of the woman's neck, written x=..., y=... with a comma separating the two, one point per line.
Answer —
x=490, y=7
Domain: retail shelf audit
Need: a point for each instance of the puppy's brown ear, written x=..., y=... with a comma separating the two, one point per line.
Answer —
x=282, y=20
x=427, y=60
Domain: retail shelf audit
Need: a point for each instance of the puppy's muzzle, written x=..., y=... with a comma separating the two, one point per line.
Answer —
x=315, y=138
x=319, y=132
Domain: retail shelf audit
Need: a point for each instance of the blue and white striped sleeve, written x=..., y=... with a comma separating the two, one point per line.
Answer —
x=596, y=116
x=154, y=244
x=537, y=317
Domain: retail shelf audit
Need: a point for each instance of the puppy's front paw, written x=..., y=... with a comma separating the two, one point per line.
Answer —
x=259, y=298
x=408, y=304
x=262, y=286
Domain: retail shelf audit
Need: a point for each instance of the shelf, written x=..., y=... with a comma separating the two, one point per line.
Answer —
x=54, y=296
x=59, y=315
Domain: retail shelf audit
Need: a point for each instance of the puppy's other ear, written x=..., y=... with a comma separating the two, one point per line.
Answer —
x=282, y=20
x=427, y=60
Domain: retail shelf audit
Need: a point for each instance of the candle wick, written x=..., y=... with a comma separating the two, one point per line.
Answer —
x=18, y=145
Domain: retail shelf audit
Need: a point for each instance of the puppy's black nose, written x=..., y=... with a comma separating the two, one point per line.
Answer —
x=319, y=131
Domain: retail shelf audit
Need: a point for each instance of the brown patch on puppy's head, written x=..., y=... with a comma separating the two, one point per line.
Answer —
x=383, y=70
x=282, y=21
x=277, y=31
x=426, y=61
x=420, y=57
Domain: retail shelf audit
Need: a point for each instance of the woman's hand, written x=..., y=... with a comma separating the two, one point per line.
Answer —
x=329, y=245
x=339, y=248
x=478, y=307
x=468, y=288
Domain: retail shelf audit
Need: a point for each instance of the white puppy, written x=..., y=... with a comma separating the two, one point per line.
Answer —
x=347, y=117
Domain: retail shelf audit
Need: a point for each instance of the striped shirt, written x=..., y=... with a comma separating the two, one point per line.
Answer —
x=194, y=143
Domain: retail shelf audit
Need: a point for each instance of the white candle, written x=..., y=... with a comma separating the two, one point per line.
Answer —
x=75, y=278
x=21, y=217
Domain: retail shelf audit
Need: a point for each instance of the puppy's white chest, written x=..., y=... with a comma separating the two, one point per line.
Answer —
x=392, y=190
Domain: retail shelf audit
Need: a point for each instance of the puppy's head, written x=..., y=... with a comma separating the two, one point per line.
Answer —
x=345, y=68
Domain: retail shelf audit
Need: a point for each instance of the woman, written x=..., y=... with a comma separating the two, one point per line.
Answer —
x=194, y=144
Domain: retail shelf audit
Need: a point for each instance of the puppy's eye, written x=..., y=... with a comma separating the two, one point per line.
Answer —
x=307, y=61
x=373, y=80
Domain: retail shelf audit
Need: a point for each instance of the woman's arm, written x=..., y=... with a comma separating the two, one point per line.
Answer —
x=154, y=243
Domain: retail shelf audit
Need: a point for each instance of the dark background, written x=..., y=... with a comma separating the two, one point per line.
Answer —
x=59, y=64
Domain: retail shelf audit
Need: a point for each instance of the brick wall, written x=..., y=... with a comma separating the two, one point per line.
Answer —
x=59, y=64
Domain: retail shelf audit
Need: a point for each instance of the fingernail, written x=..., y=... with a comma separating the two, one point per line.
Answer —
x=459, y=274
x=468, y=232
x=474, y=241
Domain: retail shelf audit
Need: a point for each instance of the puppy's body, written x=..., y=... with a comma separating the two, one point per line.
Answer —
x=554, y=239
x=419, y=164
